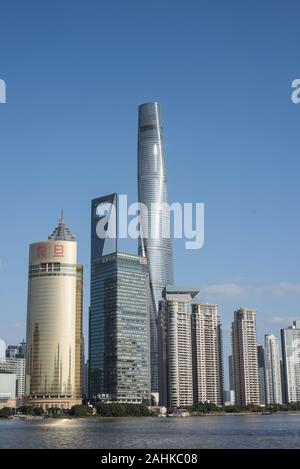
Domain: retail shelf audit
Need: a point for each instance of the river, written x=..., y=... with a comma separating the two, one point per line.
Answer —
x=226, y=431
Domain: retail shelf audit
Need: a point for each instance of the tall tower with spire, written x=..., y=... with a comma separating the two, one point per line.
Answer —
x=54, y=322
x=62, y=232
x=153, y=194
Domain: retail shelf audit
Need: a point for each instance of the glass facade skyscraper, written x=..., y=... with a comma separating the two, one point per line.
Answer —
x=119, y=348
x=290, y=341
x=272, y=370
x=152, y=192
x=261, y=374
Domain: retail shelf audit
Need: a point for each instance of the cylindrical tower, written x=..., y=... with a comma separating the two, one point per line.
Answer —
x=52, y=322
x=155, y=242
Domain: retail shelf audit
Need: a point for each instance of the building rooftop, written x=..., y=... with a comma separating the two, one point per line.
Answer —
x=62, y=232
x=182, y=290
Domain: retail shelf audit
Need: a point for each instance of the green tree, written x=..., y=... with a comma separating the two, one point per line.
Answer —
x=115, y=409
x=81, y=411
x=204, y=407
x=6, y=412
x=30, y=410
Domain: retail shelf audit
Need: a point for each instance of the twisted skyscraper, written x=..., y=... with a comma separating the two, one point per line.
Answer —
x=154, y=242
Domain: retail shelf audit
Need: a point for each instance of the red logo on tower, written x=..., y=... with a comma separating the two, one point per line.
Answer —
x=58, y=250
x=41, y=251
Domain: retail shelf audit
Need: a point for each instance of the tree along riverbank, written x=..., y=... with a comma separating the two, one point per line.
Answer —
x=142, y=410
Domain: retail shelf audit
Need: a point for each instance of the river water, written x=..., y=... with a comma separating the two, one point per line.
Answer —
x=228, y=431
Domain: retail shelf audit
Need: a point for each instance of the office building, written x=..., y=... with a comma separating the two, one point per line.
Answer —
x=207, y=354
x=2, y=348
x=15, y=366
x=53, y=323
x=86, y=380
x=290, y=341
x=272, y=370
x=283, y=384
x=119, y=326
x=261, y=375
x=16, y=351
x=175, y=347
x=154, y=242
x=12, y=351
x=79, y=341
x=228, y=398
x=245, y=361
x=22, y=349
x=7, y=389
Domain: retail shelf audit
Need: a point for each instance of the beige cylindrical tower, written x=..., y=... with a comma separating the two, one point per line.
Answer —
x=52, y=322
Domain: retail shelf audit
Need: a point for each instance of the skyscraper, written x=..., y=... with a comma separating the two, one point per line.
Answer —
x=175, y=346
x=54, y=326
x=119, y=328
x=261, y=375
x=290, y=341
x=244, y=353
x=283, y=384
x=272, y=370
x=207, y=354
x=79, y=341
x=152, y=192
x=231, y=373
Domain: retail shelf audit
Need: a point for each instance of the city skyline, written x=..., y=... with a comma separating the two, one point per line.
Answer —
x=225, y=146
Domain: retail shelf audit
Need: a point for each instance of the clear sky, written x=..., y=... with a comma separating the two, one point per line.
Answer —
x=76, y=72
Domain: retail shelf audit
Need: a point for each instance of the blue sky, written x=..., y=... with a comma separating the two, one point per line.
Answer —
x=222, y=72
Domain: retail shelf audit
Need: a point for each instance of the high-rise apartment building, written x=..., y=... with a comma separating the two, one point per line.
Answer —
x=244, y=353
x=54, y=325
x=272, y=370
x=290, y=341
x=119, y=348
x=154, y=242
x=207, y=354
x=175, y=347
x=231, y=373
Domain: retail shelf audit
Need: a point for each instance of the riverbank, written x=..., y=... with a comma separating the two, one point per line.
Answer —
x=118, y=410
x=100, y=417
x=221, y=413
